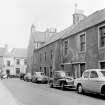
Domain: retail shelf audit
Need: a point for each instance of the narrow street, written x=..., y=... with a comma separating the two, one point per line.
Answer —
x=27, y=93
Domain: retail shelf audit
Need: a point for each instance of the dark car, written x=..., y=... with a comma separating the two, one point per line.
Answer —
x=61, y=79
x=22, y=76
x=39, y=77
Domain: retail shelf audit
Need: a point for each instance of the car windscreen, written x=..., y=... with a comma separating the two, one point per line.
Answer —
x=65, y=74
x=103, y=73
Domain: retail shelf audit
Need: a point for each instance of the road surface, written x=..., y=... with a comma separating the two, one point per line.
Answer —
x=27, y=93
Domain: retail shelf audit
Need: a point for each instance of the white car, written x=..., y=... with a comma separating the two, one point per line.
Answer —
x=39, y=77
x=92, y=80
x=4, y=76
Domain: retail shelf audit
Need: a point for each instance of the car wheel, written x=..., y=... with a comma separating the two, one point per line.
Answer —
x=62, y=86
x=80, y=89
x=51, y=84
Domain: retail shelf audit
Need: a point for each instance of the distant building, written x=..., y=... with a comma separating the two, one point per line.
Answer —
x=8, y=64
x=3, y=51
x=20, y=60
x=36, y=40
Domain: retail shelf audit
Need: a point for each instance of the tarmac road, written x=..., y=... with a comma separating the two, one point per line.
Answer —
x=27, y=93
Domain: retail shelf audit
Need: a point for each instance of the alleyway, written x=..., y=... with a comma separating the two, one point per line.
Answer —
x=27, y=93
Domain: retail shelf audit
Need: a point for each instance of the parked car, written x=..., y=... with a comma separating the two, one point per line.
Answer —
x=28, y=77
x=92, y=80
x=3, y=76
x=39, y=77
x=22, y=76
x=61, y=79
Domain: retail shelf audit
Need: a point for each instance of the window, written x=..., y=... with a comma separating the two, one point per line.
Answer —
x=51, y=54
x=102, y=65
x=66, y=47
x=102, y=36
x=8, y=63
x=82, y=68
x=93, y=74
x=17, y=70
x=45, y=56
x=103, y=73
x=82, y=42
x=40, y=57
x=86, y=75
x=17, y=61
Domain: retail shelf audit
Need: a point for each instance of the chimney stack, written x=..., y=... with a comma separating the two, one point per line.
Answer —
x=78, y=15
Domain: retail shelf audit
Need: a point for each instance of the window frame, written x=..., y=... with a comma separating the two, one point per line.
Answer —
x=88, y=74
x=84, y=42
x=99, y=39
x=17, y=60
x=51, y=54
x=66, y=47
x=94, y=77
x=8, y=63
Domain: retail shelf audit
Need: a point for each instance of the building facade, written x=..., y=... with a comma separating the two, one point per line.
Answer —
x=8, y=64
x=81, y=46
x=20, y=60
x=36, y=40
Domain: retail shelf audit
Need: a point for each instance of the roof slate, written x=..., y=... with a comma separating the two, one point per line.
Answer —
x=39, y=36
x=93, y=19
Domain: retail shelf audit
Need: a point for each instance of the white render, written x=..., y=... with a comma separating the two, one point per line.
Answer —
x=6, y=67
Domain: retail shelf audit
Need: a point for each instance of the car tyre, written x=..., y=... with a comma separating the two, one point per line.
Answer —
x=80, y=89
x=62, y=86
x=51, y=84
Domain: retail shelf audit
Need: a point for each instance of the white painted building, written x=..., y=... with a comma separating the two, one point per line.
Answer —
x=8, y=64
x=20, y=60
x=15, y=62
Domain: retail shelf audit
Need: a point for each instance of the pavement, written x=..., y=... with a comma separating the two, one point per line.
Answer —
x=6, y=97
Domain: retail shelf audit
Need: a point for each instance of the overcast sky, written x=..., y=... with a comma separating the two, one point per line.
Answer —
x=16, y=17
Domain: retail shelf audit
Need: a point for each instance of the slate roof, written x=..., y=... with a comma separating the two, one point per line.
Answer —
x=19, y=52
x=93, y=19
x=2, y=51
x=39, y=36
x=59, y=35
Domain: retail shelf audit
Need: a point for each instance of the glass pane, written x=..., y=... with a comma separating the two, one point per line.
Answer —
x=93, y=74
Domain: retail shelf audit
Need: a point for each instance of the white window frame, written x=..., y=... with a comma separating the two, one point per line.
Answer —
x=64, y=46
x=99, y=36
x=80, y=42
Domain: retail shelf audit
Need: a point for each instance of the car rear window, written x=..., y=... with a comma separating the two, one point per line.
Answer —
x=103, y=72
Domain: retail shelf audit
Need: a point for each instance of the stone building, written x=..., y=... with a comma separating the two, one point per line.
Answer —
x=78, y=47
x=36, y=40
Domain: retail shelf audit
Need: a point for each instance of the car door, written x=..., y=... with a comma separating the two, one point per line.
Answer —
x=85, y=80
x=94, y=82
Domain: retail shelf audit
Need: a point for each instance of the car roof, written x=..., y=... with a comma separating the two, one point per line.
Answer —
x=94, y=70
x=59, y=71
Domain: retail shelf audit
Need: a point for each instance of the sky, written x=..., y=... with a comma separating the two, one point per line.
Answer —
x=16, y=17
